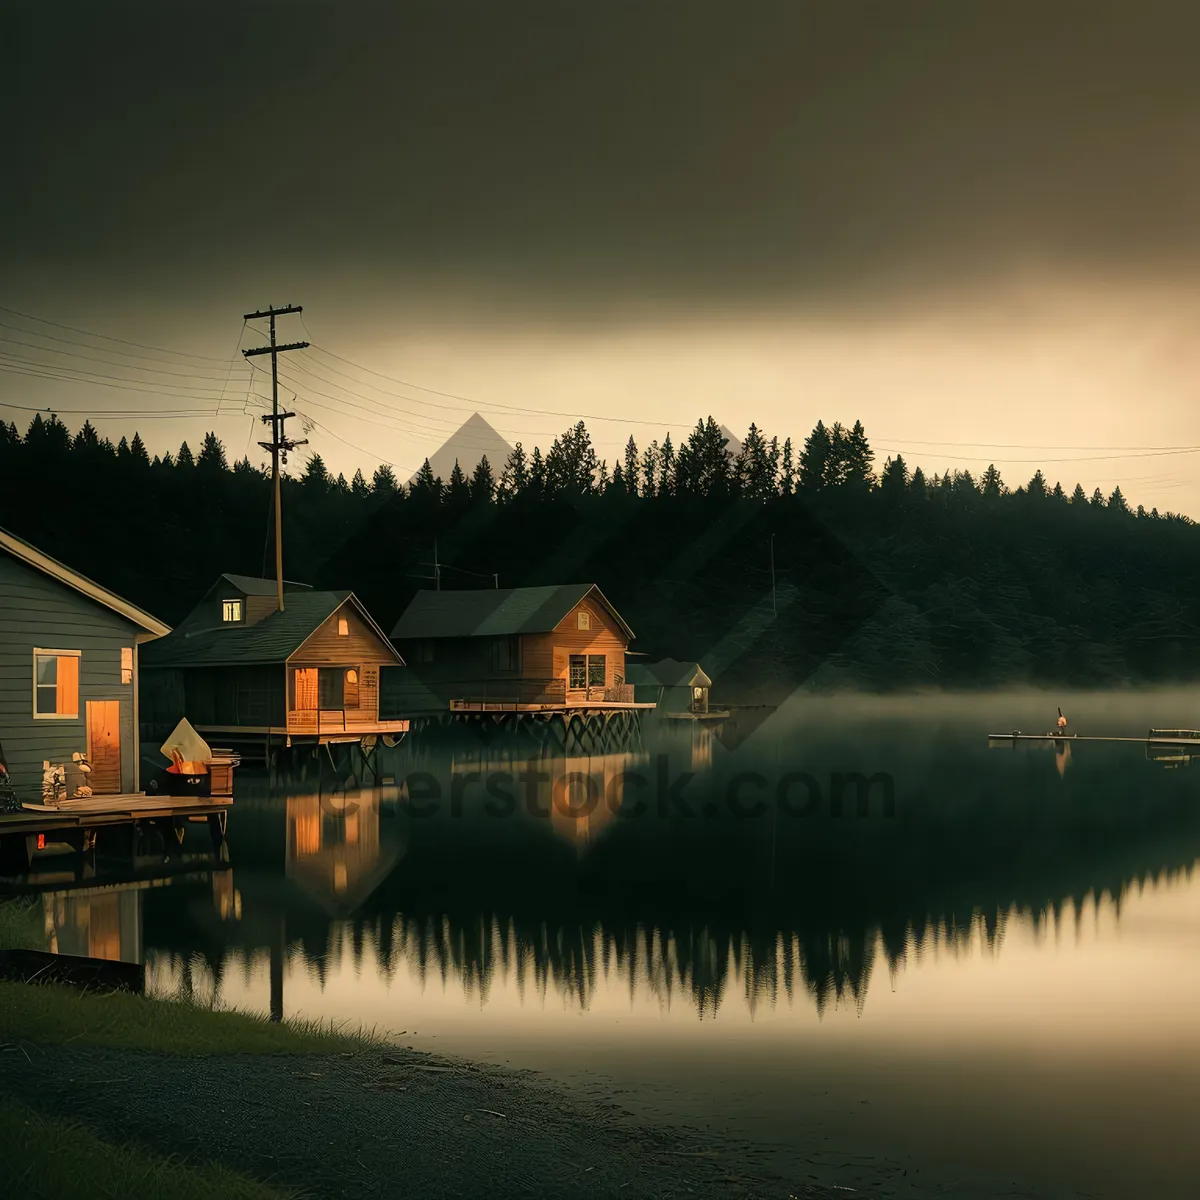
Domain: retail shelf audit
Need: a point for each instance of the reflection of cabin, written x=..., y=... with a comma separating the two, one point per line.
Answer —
x=239, y=665
x=677, y=688
x=534, y=647
x=68, y=661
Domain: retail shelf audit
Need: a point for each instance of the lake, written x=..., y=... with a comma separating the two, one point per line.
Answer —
x=906, y=962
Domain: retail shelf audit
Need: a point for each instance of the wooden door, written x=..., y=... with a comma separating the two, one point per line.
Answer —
x=104, y=745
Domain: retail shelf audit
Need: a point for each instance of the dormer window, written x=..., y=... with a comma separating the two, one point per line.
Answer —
x=585, y=619
x=343, y=627
x=231, y=610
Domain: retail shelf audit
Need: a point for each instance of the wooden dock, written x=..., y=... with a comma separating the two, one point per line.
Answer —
x=76, y=824
x=1081, y=737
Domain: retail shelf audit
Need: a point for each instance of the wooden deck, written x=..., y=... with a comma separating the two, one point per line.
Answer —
x=572, y=706
x=319, y=730
x=109, y=810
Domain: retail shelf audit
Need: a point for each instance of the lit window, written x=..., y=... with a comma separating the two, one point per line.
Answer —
x=343, y=627
x=126, y=664
x=350, y=689
x=56, y=684
x=577, y=665
x=231, y=610
x=585, y=619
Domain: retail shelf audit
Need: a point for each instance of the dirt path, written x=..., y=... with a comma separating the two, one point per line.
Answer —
x=388, y=1123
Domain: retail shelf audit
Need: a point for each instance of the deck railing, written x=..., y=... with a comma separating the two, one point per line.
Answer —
x=339, y=720
x=499, y=694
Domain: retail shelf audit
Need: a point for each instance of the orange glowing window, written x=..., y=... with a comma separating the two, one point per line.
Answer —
x=343, y=627
x=126, y=664
x=56, y=684
x=585, y=619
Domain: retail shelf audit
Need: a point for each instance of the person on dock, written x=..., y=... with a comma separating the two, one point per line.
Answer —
x=1062, y=722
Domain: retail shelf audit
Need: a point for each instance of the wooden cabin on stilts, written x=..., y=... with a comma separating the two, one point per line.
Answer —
x=543, y=660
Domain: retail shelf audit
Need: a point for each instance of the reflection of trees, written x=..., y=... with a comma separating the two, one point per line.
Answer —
x=696, y=912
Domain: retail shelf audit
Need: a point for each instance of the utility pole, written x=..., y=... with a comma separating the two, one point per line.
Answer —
x=279, y=444
x=774, y=610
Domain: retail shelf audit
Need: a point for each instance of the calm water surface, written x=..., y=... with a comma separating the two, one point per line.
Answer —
x=994, y=989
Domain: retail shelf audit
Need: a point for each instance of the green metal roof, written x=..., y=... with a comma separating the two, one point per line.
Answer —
x=495, y=612
x=669, y=672
x=251, y=585
x=272, y=640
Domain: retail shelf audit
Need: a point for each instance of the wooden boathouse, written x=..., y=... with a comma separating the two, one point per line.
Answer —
x=677, y=689
x=252, y=674
x=517, y=649
x=69, y=652
x=540, y=663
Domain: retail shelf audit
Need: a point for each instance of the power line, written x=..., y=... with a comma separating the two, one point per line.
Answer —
x=108, y=338
x=1026, y=446
x=104, y=361
x=49, y=337
x=63, y=374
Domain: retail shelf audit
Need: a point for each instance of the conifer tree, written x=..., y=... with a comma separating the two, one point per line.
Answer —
x=315, y=477
x=1117, y=501
x=990, y=483
x=666, y=468
x=787, y=469
x=184, y=458
x=483, y=484
x=1079, y=496
x=458, y=490
x=916, y=485
x=630, y=471
x=893, y=482
x=1097, y=499
x=383, y=482
x=857, y=459
x=815, y=459
x=537, y=474
x=123, y=452
x=212, y=454
x=514, y=478
x=358, y=486
x=137, y=451
x=650, y=469
x=1036, y=488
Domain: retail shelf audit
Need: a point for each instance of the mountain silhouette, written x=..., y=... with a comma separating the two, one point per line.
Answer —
x=474, y=438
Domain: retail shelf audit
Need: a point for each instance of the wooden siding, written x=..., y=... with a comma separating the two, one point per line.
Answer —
x=38, y=611
x=547, y=655
x=250, y=696
x=360, y=647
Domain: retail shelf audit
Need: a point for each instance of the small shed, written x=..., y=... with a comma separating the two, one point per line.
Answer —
x=674, y=686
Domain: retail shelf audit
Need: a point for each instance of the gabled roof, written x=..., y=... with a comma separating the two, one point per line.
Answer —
x=667, y=673
x=32, y=556
x=496, y=612
x=274, y=639
x=251, y=585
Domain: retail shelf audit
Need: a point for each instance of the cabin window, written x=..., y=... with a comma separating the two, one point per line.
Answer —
x=585, y=619
x=343, y=627
x=231, y=610
x=350, y=688
x=504, y=654
x=577, y=672
x=56, y=684
x=597, y=670
x=304, y=689
x=126, y=664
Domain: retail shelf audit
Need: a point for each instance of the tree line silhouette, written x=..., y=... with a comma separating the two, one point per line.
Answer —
x=787, y=565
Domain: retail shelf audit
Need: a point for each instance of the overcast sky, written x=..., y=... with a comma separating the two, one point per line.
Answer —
x=973, y=226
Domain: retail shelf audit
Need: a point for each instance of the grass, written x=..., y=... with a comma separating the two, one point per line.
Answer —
x=22, y=926
x=53, y=1015
x=45, y=1157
